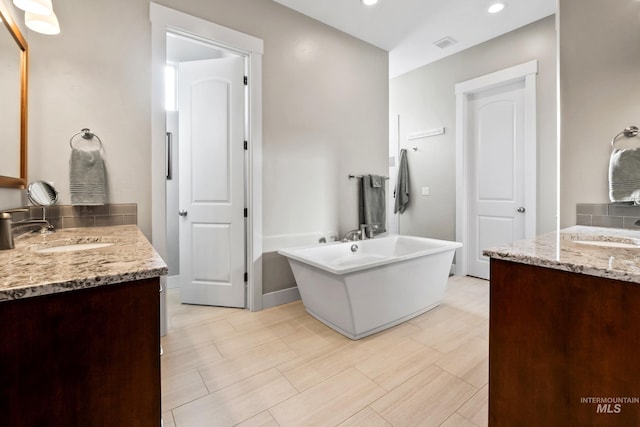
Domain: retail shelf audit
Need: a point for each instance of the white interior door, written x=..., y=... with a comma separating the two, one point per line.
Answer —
x=212, y=226
x=496, y=172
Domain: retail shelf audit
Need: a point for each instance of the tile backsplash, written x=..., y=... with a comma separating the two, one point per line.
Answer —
x=67, y=216
x=614, y=215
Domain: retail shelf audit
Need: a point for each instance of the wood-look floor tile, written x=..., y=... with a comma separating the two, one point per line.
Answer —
x=263, y=419
x=469, y=362
x=182, y=388
x=245, y=341
x=188, y=316
x=398, y=363
x=330, y=402
x=323, y=367
x=391, y=337
x=236, y=403
x=188, y=358
x=243, y=322
x=167, y=419
x=230, y=370
x=476, y=409
x=427, y=399
x=445, y=336
x=456, y=420
x=251, y=362
x=367, y=417
x=307, y=345
x=205, y=332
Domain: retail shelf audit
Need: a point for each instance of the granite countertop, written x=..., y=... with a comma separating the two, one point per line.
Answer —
x=594, y=256
x=26, y=273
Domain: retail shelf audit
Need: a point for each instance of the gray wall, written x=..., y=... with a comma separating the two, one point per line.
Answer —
x=325, y=106
x=599, y=74
x=425, y=99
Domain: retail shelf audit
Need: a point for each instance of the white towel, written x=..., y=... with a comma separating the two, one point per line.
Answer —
x=87, y=178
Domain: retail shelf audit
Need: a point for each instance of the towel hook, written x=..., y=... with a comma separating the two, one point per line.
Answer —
x=629, y=132
x=86, y=134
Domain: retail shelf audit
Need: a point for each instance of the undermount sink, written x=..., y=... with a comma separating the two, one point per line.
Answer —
x=608, y=244
x=73, y=247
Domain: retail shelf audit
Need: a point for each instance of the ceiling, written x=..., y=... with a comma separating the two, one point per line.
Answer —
x=408, y=28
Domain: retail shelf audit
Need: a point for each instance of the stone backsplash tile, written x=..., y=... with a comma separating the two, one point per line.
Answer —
x=67, y=216
x=612, y=215
x=592, y=209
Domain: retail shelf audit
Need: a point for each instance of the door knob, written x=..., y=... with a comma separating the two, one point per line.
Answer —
x=521, y=209
x=182, y=213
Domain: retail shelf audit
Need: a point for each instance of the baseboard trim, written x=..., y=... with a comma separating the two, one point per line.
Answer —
x=173, y=282
x=283, y=296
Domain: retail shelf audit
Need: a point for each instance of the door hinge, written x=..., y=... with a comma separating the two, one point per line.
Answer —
x=246, y=212
x=246, y=145
x=246, y=276
x=246, y=80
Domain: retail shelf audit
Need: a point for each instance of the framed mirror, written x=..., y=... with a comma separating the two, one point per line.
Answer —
x=13, y=108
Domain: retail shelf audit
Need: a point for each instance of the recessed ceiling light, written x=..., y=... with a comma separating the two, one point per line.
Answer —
x=495, y=8
x=369, y=2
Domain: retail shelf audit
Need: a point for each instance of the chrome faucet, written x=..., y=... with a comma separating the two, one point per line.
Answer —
x=363, y=231
x=352, y=235
x=7, y=227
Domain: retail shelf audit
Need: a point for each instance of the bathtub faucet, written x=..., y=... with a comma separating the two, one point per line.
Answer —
x=364, y=233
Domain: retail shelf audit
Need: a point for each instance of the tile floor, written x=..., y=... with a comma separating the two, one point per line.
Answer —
x=281, y=367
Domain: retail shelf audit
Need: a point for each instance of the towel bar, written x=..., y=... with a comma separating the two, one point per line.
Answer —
x=629, y=132
x=360, y=176
x=86, y=134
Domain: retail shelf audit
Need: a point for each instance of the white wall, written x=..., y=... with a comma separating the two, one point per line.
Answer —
x=599, y=75
x=425, y=99
x=325, y=105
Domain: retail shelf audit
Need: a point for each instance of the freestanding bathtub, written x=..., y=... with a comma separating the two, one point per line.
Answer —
x=363, y=287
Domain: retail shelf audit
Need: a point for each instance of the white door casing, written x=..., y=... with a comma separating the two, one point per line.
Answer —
x=164, y=19
x=211, y=126
x=488, y=194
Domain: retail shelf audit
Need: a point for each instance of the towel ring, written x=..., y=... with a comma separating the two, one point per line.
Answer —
x=86, y=134
x=629, y=132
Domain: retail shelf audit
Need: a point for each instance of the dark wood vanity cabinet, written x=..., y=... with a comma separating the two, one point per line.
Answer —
x=88, y=357
x=564, y=348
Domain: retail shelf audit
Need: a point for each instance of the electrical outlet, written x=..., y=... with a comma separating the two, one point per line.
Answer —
x=425, y=191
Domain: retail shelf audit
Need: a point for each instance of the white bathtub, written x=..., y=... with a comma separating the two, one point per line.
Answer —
x=386, y=281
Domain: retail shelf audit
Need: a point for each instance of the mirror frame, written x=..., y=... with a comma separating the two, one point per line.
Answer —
x=19, y=182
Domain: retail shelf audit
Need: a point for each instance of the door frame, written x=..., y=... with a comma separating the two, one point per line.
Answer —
x=526, y=72
x=162, y=19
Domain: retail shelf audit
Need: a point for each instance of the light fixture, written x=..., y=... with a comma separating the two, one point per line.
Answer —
x=39, y=7
x=369, y=2
x=43, y=24
x=495, y=7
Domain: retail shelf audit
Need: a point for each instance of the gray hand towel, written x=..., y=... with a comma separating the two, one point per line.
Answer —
x=372, y=205
x=402, y=184
x=377, y=181
x=87, y=178
x=624, y=175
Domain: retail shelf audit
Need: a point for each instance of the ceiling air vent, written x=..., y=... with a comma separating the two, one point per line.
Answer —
x=445, y=42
